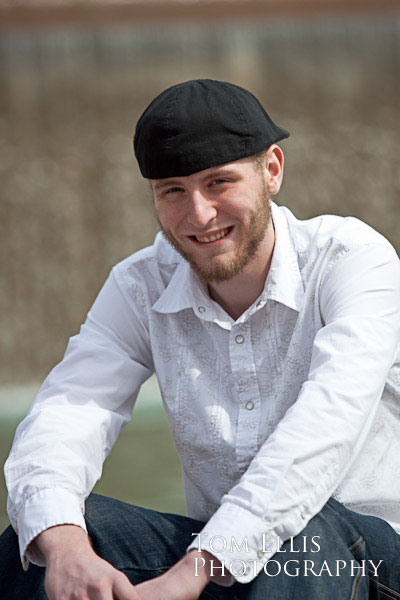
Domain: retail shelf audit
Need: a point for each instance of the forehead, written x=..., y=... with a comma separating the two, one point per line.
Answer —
x=234, y=167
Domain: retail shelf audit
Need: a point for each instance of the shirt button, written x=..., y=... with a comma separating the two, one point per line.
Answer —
x=201, y=309
x=303, y=514
x=260, y=554
x=239, y=339
x=250, y=405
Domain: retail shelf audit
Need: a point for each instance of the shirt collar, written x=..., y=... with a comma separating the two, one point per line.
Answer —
x=283, y=284
x=178, y=294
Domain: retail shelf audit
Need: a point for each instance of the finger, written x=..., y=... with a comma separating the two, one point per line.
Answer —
x=100, y=590
x=124, y=590
x=94, y=592
x=100, y=593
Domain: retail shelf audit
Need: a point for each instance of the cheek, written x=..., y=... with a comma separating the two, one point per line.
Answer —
x=235, y=209
x=169, y=218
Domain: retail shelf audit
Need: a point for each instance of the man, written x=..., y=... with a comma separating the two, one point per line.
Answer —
x=275, y=343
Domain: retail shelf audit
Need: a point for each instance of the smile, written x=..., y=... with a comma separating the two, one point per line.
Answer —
x=213, y=237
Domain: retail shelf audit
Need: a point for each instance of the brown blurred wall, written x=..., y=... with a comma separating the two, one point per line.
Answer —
x=54, y=12
x=72, y=202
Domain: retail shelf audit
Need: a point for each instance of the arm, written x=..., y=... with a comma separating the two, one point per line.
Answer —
x=59, y=448
x=317, y=441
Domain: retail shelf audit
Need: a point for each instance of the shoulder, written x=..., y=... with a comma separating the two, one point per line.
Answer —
x=330, y=237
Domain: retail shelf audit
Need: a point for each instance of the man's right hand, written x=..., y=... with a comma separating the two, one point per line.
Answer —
x=75, y=572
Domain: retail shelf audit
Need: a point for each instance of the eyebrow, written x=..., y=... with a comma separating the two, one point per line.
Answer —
x=217, y=171
x=161, y=184
x=220, y=171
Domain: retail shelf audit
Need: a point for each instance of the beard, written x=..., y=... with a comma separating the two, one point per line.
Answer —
x=215, y=270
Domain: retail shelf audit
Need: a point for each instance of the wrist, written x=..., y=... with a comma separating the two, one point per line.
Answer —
x=61, y=539
x=199, y=563
x=205, y=566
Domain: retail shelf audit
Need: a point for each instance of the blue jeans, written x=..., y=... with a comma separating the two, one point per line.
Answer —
x=144, y=543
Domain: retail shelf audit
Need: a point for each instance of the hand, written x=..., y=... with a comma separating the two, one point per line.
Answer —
x=180, y=582
x=75, y=572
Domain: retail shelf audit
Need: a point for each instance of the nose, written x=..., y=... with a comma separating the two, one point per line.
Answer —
x=201, y=209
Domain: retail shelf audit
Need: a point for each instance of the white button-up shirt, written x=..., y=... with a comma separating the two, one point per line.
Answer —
x=295, y=401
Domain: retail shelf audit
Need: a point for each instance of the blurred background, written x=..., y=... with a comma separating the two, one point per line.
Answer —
x=75, y=76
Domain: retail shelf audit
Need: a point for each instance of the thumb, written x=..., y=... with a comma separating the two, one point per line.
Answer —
x=124, y=590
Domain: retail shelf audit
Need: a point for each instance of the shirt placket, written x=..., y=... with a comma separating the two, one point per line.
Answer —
x=246, y=384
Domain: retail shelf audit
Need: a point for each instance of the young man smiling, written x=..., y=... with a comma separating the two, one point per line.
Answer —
x=219, y=220
x=276, y=345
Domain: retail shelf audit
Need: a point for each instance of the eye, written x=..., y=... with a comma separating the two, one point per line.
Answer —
x=172, y=190
x=219, y=181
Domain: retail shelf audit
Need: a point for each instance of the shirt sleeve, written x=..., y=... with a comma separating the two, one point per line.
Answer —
x=59, y=448
x=315, y=444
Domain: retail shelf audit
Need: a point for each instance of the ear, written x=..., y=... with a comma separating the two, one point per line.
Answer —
x=274, y=161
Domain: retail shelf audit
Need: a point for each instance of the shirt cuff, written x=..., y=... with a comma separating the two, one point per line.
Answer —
x=47, y=508
x=242, y=549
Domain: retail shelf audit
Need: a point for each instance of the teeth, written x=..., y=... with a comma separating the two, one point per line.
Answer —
x=213, y=238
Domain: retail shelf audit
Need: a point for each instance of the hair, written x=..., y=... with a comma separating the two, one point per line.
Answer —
x=259, y=160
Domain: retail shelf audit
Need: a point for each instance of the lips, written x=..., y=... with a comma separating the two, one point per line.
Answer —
x=213, y=237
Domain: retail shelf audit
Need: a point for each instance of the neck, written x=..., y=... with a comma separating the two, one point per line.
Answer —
x=237, y=294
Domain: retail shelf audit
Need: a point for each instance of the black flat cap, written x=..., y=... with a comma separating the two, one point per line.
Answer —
x=199, y=124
